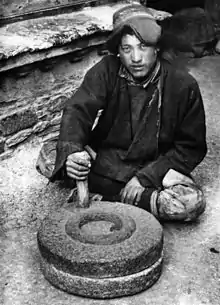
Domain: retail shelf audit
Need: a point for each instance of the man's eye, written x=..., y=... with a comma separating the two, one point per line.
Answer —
x=143, y=46
x=126, y=49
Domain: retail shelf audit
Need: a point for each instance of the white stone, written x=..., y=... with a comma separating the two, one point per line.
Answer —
x=217, y=47
x=19, y=137
x=40, y=126
x=56, y=120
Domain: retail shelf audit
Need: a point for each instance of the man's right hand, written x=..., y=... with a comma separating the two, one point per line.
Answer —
x=78, y=165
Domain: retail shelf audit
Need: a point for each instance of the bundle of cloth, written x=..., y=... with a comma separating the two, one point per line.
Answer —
x=192, y=31
x=213, y=9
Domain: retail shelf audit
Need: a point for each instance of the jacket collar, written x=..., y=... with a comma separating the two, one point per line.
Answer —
x=153, y=77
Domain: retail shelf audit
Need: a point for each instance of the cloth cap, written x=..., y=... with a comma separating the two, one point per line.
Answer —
x=140, y=20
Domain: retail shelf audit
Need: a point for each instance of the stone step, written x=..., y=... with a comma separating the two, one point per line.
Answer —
x=34, y=40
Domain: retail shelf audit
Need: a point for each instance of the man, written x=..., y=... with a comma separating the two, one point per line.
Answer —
x=151, y=133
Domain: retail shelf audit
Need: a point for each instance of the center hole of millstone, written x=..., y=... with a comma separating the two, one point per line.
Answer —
x=97, y=227
x=100, y=228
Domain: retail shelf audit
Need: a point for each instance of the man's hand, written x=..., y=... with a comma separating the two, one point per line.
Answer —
x=132, y=192
x=78, y=165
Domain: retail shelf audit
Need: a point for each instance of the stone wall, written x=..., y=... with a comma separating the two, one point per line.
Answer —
x=42, y=63
x=31, y=102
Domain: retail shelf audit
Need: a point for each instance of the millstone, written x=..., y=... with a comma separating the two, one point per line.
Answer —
x=107, y=250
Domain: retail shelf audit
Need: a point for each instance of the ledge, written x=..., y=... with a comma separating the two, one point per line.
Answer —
x=25, y=42
x=18, y=10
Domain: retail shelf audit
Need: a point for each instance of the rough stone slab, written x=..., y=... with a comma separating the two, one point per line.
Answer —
x=37, y=35
x=30, y=57
x=22, y=10
x=56, y=120
x=50, y=130
x=40, y=126
x=7, y=154
x=56, y=101
x=45, y=92
x=18, y=137
x=17, y=121
x=47, y=32
x=103, y=288
x=50, y=136
x=22, y=7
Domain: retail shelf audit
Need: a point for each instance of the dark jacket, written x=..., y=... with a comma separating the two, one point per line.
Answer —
x=170, y=135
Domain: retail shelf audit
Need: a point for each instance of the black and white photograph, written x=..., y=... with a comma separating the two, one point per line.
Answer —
x=109, y=152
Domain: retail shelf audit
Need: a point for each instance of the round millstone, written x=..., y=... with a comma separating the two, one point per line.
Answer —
x=108, y=250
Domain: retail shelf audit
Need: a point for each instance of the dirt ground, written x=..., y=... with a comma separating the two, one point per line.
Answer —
x=191, y=270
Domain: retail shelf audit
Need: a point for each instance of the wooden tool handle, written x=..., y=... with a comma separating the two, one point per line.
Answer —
x=83, y=193
x=82, y=186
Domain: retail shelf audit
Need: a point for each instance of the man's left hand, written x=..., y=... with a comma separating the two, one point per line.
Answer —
x=131, y=193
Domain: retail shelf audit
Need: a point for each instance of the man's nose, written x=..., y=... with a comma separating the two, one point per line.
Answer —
x=136, y=55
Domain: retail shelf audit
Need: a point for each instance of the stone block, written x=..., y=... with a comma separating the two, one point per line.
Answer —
x=56, y=120
x=17, y=121
x=56, y=104
x=50, y=136
x=7, y=154
x=19, y=137
x=50, y=130
x=46, y=105
x=41, y=114
x=40, y=126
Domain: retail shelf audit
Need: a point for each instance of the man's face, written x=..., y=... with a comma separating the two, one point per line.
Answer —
x=136, y=56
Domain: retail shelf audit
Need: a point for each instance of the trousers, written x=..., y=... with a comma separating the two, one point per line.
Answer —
x=179, y=198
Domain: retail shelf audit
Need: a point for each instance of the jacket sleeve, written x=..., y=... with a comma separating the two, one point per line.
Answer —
x=79, y=114
x=189, y=147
